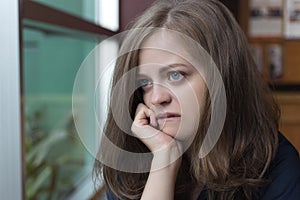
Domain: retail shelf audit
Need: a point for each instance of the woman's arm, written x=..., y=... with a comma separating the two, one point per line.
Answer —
x=166, y=156
x=161, y=183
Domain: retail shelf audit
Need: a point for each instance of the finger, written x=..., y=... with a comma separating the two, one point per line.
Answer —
x=152, y=117
x=141, y=115
x=144, y=131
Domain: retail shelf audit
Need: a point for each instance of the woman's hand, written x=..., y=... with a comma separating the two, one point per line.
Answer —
x=166, y=151
x=164, y=147
x=145, y=126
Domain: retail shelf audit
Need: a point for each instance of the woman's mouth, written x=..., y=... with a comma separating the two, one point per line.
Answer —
x=167, y=116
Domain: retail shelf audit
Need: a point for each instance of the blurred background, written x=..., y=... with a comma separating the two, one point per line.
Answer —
x=42, y=156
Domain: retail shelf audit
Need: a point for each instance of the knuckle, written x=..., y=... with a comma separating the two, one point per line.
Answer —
x=140, y=106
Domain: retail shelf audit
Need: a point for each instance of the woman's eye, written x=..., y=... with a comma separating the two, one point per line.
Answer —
x=143, y=83
x=175, y=76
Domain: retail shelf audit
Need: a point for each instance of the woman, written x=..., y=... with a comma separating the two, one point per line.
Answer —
x=173, y=111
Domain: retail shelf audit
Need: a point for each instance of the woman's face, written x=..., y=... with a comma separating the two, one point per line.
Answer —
x=172, y=88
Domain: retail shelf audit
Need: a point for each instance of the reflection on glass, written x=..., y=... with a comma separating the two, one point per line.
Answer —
x=108, y=14
x=56, y=160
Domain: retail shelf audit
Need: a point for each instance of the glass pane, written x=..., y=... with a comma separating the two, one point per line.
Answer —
x=80, y=8
x=102, y=12
x=56, y=160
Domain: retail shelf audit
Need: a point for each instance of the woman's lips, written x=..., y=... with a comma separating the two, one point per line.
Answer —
x=162, y=117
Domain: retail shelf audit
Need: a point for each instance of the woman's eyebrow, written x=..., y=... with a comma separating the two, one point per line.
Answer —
x=175, y=65
x=164, y=68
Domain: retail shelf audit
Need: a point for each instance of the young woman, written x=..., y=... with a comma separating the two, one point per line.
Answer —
x=177, y=62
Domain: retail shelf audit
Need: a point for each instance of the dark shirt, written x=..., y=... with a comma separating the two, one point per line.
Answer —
x=284, y=174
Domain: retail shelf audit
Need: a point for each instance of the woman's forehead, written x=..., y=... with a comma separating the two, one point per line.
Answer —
x=164, y=39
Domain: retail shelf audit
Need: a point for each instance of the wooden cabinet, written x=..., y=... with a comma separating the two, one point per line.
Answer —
x=289, y=101
x=290, y=116
x=291, y=62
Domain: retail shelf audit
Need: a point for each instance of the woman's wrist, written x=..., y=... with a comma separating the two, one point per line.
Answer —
x=161, y=179
x=168, y=158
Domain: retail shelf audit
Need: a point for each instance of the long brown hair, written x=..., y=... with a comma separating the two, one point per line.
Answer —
x=236, y=166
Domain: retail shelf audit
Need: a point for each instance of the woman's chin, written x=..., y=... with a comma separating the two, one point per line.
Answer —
x=171, y=131
x=174, y=132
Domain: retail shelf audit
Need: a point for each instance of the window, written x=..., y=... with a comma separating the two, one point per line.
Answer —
x=53, y=48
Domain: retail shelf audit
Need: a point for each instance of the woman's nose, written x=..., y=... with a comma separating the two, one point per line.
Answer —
x=160, y=94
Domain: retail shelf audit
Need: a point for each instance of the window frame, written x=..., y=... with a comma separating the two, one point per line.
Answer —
x=10, y=115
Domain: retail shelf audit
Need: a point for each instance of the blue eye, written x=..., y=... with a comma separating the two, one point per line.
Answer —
x=175, y=76
x=143, y=83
